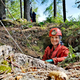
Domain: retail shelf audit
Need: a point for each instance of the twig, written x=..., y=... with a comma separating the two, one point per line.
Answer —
x=5, y=75
x=12, y=63
x=11, y=56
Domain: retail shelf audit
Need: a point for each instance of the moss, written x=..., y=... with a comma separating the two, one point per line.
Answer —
x=1, y=43
x=4, y=62
x=4, y=68
x=36, y=48
x=22, y=21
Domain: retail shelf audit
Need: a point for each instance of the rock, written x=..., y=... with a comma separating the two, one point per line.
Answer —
x=58, y=75
x=5, y=50
x=30, y=68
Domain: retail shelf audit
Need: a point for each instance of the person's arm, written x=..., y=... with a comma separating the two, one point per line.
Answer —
x=64, y=55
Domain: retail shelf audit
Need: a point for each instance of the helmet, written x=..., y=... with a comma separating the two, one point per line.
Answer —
x=55, y=31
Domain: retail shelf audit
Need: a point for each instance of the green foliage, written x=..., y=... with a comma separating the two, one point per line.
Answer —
x=43, y=1
x=69, y=23
x=50, y=20
x=54, y=20
x=14, y=9
x=71, y=49
x=49, y=10
x=63, y=28
x=41, y=24
x=30, y=25
x=71, y=54
x=46, y=1
x=36, y=9
x=71, y=58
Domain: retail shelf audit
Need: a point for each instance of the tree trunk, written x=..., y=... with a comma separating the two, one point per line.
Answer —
x=27, y=9
x=2, y=10
x=54, y=8
x=21, y=8
x=64, y=11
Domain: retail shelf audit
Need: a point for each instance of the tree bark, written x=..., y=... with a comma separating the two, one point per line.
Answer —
x=54, y=8
x=21, y=8
x=2, y=10
x=27, y=9
x=64, y=11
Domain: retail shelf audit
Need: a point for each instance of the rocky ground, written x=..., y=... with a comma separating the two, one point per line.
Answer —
x=32, y=42
x=18, y=66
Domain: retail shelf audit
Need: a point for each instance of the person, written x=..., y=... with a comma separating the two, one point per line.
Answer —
x=34, y=17
x=56, y=51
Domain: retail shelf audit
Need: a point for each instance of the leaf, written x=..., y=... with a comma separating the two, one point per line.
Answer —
x=44, y=1
x=73, y=55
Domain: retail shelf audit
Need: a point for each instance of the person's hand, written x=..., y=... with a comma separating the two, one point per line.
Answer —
x=49, y=60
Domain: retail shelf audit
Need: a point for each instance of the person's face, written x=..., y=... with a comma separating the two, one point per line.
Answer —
x=54, y=40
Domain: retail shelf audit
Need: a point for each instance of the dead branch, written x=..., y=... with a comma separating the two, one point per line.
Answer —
x=11, y=56
x=12, y=63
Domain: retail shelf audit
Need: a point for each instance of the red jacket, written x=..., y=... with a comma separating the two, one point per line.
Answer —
x=57, y=55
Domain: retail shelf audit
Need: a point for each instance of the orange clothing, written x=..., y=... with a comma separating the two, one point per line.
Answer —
x=57, y=55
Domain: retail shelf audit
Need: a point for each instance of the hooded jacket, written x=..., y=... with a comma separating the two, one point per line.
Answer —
x=58, y=55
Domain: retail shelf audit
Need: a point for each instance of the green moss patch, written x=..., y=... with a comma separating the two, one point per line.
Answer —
x=4, y=68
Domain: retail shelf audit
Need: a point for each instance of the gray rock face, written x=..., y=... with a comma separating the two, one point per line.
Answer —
x=5, y=50
x=30, y=68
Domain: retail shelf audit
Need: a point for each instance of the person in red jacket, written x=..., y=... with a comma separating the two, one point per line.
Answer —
x=56, y=51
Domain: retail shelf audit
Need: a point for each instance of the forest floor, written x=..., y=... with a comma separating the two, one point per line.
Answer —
x=30, y=40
